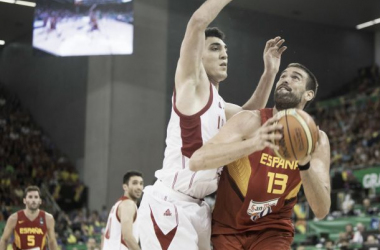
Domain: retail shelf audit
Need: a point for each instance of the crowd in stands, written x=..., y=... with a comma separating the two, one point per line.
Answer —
x=28, y=156
x=350, y=118
x=352, y=123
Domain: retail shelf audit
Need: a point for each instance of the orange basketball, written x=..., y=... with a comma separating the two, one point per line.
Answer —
x=300, y=135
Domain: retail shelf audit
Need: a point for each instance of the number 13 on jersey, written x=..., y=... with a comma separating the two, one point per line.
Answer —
x=277, y=183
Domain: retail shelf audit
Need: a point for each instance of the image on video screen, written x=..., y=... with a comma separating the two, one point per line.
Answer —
x=83, y=27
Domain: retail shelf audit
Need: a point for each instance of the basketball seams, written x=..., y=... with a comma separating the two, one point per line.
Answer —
x=289, y=135
x=306, y=130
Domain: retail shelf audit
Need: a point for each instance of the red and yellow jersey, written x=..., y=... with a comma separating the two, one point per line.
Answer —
x=30, y=234
x=257, y=192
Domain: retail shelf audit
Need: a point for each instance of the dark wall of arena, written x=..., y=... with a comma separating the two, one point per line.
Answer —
x=333, y=54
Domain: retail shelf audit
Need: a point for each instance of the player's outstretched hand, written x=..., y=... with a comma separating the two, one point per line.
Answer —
x=272, y=54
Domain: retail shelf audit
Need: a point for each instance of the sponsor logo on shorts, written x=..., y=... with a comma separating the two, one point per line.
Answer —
x=258, y=210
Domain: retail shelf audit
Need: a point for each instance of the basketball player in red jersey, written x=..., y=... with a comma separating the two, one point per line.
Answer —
x=172, y=211
x=32, y=227
x=120, y=232
x=257, y=189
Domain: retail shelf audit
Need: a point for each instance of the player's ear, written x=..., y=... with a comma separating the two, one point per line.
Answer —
x=309, y=95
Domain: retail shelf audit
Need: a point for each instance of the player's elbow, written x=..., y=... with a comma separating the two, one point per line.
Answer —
x=131, y=241
x=195, y=163
x=322, y=211
x=198, y=20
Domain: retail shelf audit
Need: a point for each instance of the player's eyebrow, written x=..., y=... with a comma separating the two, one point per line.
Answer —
x=218, y=44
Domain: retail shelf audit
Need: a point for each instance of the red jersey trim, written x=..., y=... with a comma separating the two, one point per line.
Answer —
x=191, y=127
x=164, y=239
x=201, y=112
x=123, y=198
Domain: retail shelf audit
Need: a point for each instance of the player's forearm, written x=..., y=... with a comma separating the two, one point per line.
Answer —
x=3, y=245
x=53, y=245
x=208, y=12
x=211, y=156
x=259, y=98
x=131, y=242
x=317, y=193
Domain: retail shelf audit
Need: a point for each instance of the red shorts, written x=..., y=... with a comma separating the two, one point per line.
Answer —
x=260, y=240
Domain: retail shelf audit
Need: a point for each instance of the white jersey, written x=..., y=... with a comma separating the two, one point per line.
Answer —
x=112, y=236
x=186, y=134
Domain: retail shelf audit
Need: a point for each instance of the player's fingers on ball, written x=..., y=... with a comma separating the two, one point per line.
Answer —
x=271, y=145
x=277, y=126
x=273, y=119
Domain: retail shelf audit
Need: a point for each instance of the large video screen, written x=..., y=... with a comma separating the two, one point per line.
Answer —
x=83, y=27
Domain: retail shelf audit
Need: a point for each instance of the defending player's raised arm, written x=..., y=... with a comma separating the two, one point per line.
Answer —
x=8, y=230
x=316, y=180
x=50, y=232
x=239, y=137
x=189, y=67
x=272, y=58
x=126, y=213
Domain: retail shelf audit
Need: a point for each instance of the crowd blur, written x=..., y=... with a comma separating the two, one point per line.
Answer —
x=28, y=156
x=350, y=118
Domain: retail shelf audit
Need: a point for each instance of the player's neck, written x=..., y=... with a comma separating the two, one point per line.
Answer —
x=216, y=84
x=31, y=214
x=132, y=199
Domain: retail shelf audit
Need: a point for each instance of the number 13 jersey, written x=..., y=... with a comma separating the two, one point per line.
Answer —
x=257, y=192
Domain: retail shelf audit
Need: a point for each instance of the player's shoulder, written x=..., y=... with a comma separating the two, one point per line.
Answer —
x=48, y=216
x=13, y=217
x=127, y=203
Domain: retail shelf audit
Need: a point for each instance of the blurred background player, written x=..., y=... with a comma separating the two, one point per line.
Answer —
x=93, y=18
x=32, y=228
x=120, y=233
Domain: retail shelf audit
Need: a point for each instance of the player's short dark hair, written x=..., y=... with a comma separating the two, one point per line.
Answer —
x=311, y=84
x=130, y=174
x=30, y=189
x=214, y=32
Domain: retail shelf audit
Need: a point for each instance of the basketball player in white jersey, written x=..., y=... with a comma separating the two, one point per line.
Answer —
x=173, y=214
x=120, y=233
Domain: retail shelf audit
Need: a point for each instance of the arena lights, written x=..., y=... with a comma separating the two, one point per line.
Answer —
x=20, y=2
x=26, y=3
x=368, y=24
x=2, y=42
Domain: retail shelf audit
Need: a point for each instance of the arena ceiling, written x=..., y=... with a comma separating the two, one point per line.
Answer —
x=16, y=20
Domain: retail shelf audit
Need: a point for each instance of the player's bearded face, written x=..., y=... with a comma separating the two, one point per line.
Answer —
x=286, y=98
x=32, y=200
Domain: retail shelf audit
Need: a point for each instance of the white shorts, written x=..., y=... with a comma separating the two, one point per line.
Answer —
x=170, y=220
